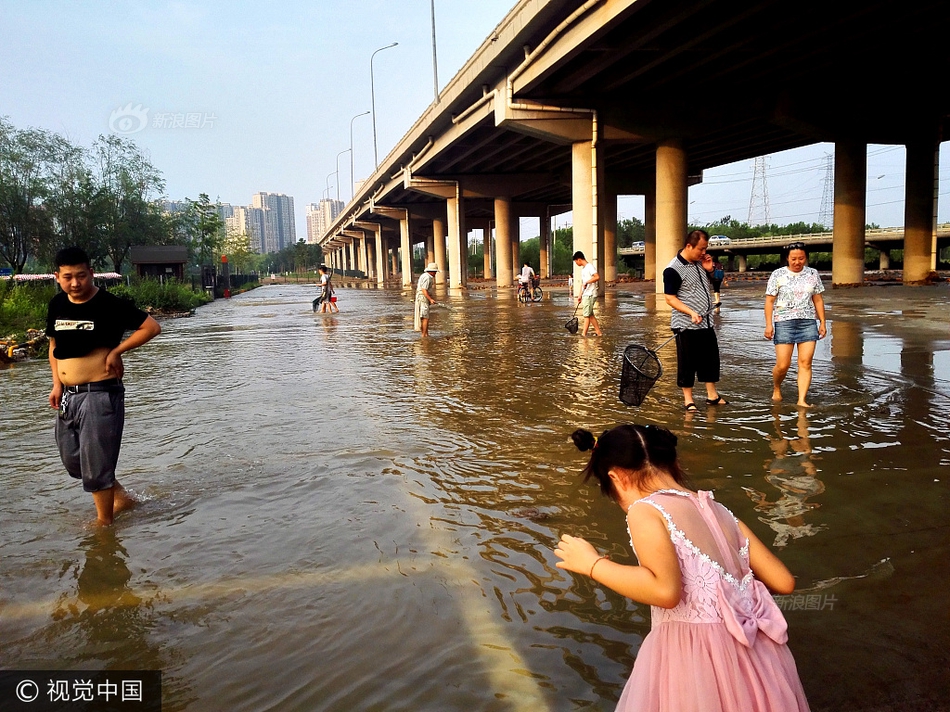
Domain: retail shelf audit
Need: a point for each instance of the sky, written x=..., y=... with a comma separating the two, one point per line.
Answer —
x=235, y=98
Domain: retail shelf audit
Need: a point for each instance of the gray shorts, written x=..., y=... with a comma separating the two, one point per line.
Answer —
x=89, y=435
x=423, y=306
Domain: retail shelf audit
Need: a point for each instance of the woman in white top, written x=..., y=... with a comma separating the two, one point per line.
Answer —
x=793, y=304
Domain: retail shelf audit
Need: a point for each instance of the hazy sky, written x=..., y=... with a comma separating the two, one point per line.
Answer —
x=234, y=98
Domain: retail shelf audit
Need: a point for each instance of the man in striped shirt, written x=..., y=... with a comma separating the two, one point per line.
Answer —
x=687, y=289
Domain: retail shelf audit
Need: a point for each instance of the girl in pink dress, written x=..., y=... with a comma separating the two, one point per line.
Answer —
x=718, y=640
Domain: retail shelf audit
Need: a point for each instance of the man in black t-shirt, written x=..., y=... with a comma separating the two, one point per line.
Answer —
x=85, y=326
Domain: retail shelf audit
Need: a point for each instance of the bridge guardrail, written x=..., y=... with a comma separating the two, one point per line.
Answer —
x=943, y=230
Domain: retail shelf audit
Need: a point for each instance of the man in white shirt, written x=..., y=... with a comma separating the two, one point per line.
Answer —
x=526, y=277
x=424, y=300
x=589, y=280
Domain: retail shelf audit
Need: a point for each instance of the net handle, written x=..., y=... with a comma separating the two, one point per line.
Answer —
x=706, y=315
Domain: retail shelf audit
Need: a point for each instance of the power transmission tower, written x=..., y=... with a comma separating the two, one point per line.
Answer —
x=826, y=213
x=759, y=213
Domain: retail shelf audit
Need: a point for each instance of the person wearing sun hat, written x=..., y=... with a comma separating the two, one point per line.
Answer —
x=424, y=300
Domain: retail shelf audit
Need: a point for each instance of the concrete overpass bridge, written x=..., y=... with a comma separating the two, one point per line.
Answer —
x=882, y=239
x=570, y=103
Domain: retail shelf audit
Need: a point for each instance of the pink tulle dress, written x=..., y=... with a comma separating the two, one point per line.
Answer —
x=722, y=648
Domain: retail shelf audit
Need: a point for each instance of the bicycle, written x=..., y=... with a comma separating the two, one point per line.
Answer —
x=532, y=294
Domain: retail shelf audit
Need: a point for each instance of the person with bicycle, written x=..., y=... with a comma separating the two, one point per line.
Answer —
x=526, y=282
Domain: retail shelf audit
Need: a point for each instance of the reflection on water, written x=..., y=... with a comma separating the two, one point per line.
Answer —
x=339, y=515
x=793, y=472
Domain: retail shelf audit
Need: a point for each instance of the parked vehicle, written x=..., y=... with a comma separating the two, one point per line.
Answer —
x=719, y=240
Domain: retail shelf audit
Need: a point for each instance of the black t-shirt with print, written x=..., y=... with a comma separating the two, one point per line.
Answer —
x=79, y=329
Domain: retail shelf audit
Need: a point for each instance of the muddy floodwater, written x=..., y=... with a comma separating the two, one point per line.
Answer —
x=340, y=516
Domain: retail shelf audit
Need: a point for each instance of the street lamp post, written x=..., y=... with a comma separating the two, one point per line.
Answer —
x=372, y=98
x=352, y=175
x=337, y=174
x=435, y=66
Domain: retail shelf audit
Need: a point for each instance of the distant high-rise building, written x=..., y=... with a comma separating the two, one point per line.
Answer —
x=225, y=211
x=319, y=218
x=174, y=206
x=280, y=230
x=247, y=221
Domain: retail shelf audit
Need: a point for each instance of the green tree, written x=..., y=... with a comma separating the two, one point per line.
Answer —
x=563, y=251
x=204, y=229
x=630, y=230
x=76, y=206
x=238, y=250
x=128, y=183
x=25, y=158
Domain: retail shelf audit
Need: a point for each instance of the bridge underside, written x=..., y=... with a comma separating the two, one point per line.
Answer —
x=569, y=104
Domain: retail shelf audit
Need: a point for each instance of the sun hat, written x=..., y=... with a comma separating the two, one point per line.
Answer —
x=432, y=267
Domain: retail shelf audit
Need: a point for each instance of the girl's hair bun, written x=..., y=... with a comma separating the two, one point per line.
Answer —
x=583, y=439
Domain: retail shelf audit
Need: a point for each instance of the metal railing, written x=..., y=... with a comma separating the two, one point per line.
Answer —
x=812, y=238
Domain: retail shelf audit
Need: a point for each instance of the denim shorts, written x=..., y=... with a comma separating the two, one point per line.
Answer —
x=795, y=331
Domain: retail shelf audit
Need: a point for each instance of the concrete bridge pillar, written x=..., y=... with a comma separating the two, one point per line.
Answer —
x=487, y=271
x=515, y=246
x=438, y=238
x=370, y=261
x=405, y=247
x=610, y=239
x=503, y=242
x=364, y=257
x=884, y=260
x=920, y=210
x=458, y=259
x=585, y=228
x=393, y=261
x=430, y=249
x=742, y=263
x=379, y=258
x=671, y=202
x=649, y=237
x=353, y=264
x=850, y=215
x=545, y=246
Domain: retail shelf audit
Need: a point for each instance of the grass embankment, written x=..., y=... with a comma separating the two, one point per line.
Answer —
x=23, y=306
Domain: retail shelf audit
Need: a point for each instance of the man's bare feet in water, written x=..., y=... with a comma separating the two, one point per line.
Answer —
x=110, y=502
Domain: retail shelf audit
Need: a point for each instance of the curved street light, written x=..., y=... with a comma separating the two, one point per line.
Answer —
x=337, y=174
x=352, y=175
x=372, y=98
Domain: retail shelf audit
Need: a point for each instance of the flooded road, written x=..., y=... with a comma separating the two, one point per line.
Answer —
x=340, y=516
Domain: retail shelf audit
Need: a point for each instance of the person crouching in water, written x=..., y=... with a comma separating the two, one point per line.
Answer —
x=85, y=326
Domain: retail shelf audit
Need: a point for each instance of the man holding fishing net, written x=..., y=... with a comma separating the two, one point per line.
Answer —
x=687, y=289
x=424, y=299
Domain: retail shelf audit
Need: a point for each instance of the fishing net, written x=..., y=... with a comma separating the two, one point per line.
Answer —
x=641, y=369
x=572, y=325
